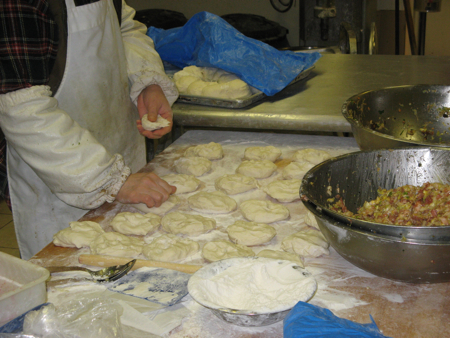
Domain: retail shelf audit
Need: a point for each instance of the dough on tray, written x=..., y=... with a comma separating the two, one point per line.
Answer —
x=263, y=211
x=235, y=184
x=287, y=256
x=168, y=205
x=211, y=151
x=296, y=170
x=256, y=169
x=178, y=223
x=184, y=183
x=306, y=243
x=270, y=153
x=196, y=166
x=78, y=234
x=116, y=244
x=212, y=202
x=134, y=223
x=284, y=191
x=160, y=122
x=221, y=249
x=170, y=248
x=250, y=233
x=315, y=156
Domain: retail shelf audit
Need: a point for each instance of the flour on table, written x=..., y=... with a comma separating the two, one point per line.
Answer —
x=296, y=170
x=309, y=243
x=235, y=184
x=170, y=248
x=178, y=223
x=184, y=183
x=196, y=166
x=284, y=191
x=160, y=122
x=256, y=169
x=315, y=156
x=310, y=219
x=78, y=234
x=250, y=233
x=221, y=249
x=284, y=255
x=116, y=244
x=212, y=202
x=263, y=211
x=168, y=205
x=211, y=151
x=270, y=153
x=134, y=223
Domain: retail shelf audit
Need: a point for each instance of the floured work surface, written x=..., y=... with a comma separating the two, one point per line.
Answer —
x=399, y=309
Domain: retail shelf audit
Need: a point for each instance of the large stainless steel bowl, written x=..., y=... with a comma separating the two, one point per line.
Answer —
x=397, y=117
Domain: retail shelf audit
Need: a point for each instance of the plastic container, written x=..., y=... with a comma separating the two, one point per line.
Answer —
x=22, y=286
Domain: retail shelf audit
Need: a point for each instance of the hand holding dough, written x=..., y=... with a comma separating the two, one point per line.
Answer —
x=160, y=122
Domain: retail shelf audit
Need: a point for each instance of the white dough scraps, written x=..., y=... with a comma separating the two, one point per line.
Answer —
x=168, y=205
x=160, y=122
x=270, y=153
x=196, y=166
x=116, y=244
x=315, y=156
x=178, y=223
x=263, y=211
x=184, y=183
x=221, y=249
x=284, y=191
x=134, y=223
x=287, y=256
x=250, y=233
x=256, y=169
x=296, y=170
x=212, y=202
x=211, y=151
x=306, y=243
x=235, y=184
x=170, y=248
x=78, y=234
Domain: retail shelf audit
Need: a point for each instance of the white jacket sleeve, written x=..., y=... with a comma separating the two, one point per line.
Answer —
x=68, y=159
x=143, y=62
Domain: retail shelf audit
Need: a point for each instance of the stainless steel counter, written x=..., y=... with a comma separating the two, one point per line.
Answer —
x=315, y=104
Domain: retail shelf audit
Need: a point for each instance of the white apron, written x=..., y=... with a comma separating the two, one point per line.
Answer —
x=95, y=93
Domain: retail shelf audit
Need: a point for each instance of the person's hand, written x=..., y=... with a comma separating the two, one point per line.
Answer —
x=145, y=188
x=153, y=102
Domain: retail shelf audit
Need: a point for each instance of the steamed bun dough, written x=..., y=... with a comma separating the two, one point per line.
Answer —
x=284, y=191
x=263, y=211
x=116, y=244
x=133, y=223
x=284, y=255
x=235, y=184
x=314, y=156
x=250, y=233
x=78, y=234
x=256, y=169
x=179, y=223
x=160, y=122
x=221, y=249
x=296, y=170
x=211, y=151
x=309, y=243
x=212, y=202
x=170, y=248
x=184, y=183
x=196, y=166
x=270, y=153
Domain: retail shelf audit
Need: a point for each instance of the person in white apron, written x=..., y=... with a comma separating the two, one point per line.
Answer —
x=75, y=150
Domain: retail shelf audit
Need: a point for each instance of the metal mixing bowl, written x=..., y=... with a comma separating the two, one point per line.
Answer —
x=397, y=117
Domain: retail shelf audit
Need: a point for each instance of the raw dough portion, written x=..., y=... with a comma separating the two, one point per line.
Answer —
x=178, y=223
x=170, y=248
x=270, y=153
x=311, y=220
x=196, y=87
x=250, y=233
x=133, y=223
x=256, y=169
x=211, y=151
x=314, y=156
x=235, y=184
x=168, y=205
x=184, y=183
x=212, y=202
x=233, y=89
x=160, y=122
x=284, y=191
x=116, y=244
x=221, y=249
x=296, y=170
x=287, y=256
x=263, y=211
x=78, y=234
x=196, y=166
x=309, y=243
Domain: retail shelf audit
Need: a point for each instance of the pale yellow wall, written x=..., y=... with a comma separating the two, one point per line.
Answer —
x=437, y=39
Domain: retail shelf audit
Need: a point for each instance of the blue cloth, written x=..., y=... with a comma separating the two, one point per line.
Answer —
x=308, y=321
x=207, y=40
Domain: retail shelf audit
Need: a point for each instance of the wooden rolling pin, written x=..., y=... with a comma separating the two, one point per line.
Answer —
x=105, y=261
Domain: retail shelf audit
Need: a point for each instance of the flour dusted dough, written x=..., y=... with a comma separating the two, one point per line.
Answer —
x=211, y=151
x=310, y=219
x=160, y=122
x=284, y=191
x=270, y=153
x=221, y=249
x=314, y=156
x=170, y=248
x=116, y=244
x=212, y=202
x=184, y=183
x=178, y=223
x=250, y=233
x=263, y=211
x=133, y=223
x=287, y=256
x=296, y=170
x=235, y=184
x=196, y=166
x=168, y=205
x=309, y=243
x=256, y=169
x=78, y=234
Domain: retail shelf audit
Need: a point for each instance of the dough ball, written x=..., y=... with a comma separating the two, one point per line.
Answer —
x=217, y=250
x=78, y=234
x=178, y=223
x=287, y=256
x=263, y=211
x=257, y=169
x=250, y=233
x=212, y=202
x=270, y=153
x=170, y=248
x=231, y=90
x=196, y=166
x=184, y=82
x=188, y=71
x=161, y=122
x=284, y=191
x=306, y=243
x=168, y=205
x=315, y=156
x=116, y=244
x=296, y=170
x=235, y=184
x=133, y=223
x=184, y=183
x=211, y=151
x=196, y=87
x=311, y=220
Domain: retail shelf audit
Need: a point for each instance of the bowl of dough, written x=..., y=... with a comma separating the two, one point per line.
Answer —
x=251, y=291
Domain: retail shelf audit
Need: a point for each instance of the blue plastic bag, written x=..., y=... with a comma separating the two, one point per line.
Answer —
x=207, y=40
x=308, y=321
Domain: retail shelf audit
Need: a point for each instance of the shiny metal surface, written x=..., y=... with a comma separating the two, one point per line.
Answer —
x=397, y=117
